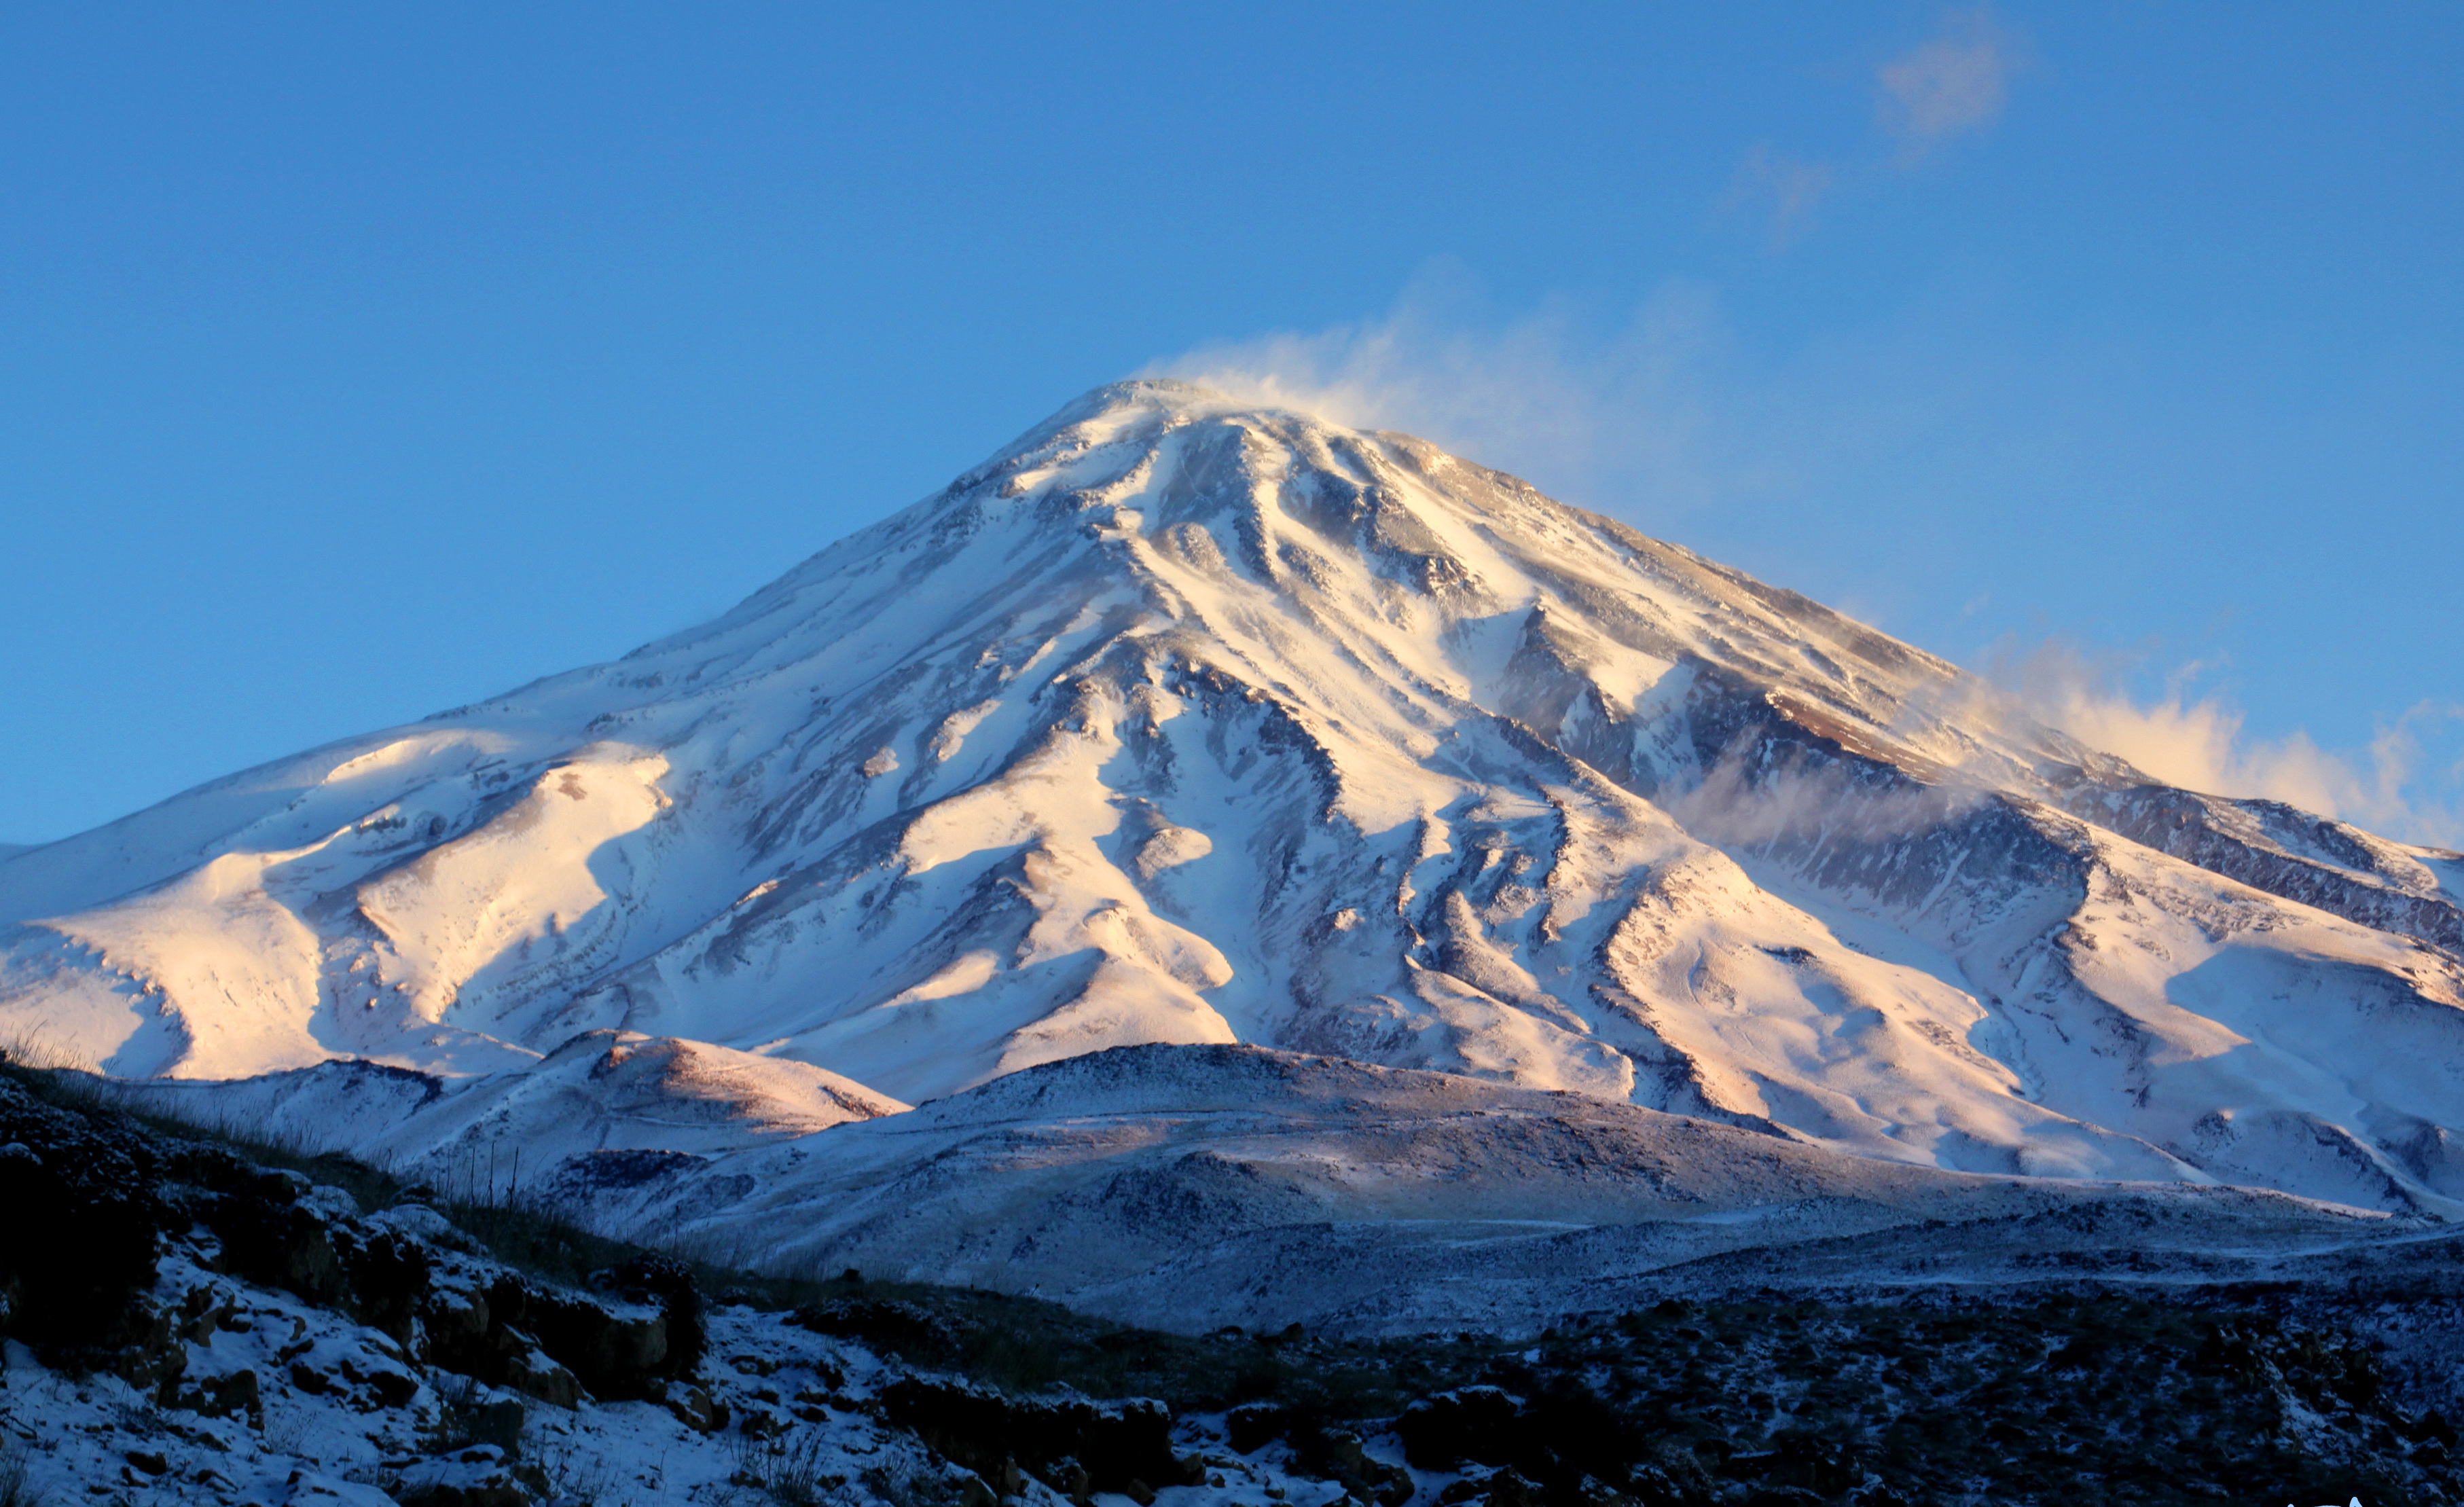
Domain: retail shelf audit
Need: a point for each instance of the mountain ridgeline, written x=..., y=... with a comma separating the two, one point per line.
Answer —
x=1182, y=723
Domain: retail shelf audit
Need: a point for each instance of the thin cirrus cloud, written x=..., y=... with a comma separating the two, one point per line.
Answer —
x=1782, y=187
x=1953, y=84
x=1949, y=85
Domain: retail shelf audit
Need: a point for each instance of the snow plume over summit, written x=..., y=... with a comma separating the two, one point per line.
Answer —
x=1187, y=721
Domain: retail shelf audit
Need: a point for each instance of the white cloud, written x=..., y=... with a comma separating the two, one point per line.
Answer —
x=1949, y=85
x=2201, y=743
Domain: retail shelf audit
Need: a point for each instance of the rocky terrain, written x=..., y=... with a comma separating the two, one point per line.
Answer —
x=185, y=1323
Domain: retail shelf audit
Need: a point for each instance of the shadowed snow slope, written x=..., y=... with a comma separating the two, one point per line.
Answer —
x=1182, y=722
x=1191, y=1186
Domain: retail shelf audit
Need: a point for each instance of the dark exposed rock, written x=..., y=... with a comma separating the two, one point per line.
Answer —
x=1253, y=1426
x=1051, y=1438
x=1335, y=1454
x=1479, y=1424
x=231, y=1394
x=900, y=1328
x=90, y=1195
x=481, y=1476
x=384, y=1386
x=83, y=1226
x=696, y=1409
x=555, y=1346
x=269, y=1236
x=389, y=1274
x=614, y=1356
x=667, y=1286
x=1508, y=1489
x=1789, y=1496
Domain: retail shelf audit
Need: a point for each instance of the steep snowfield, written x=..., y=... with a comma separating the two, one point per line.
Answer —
x=1179, y=722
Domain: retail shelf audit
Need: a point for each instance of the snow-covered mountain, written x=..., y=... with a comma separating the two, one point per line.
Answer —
x=1185, y=722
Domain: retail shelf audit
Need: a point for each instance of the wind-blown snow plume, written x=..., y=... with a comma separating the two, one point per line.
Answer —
x=1188, y=721
x=1515, y=391
x=2203, y=743
x=1661, y=410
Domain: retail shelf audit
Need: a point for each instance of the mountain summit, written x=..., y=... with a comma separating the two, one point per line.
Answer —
x=1183, y=721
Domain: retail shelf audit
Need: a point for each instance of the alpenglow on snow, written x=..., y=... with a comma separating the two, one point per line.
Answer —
x=1183, y=721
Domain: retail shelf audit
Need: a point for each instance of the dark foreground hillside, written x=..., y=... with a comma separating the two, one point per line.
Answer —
x=193, y=1317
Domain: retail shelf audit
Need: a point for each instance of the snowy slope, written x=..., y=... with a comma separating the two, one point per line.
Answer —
x=1204, y=1186
x=603, y=1091
x=1183, y=722
x=1193, y=1187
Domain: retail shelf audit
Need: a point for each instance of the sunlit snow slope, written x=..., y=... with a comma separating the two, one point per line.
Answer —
x=1180, y=721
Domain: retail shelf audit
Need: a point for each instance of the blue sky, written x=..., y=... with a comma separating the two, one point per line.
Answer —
x=366, y=361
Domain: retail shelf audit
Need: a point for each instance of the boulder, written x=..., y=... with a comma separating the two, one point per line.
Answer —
x=477, y=1478
x=1337, y=1455
x=696, y=1407
x=229, y=1395
x=1507, y=1488
x=614, y=1355
x=1479, y=1424
x=534, y=1373
x=1057, y=1438
x=272, y=1236
x=902, y=1329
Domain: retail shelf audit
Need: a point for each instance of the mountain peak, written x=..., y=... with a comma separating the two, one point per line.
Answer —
x=1185, y=720
x=1136, y=406
x=1168, y=395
